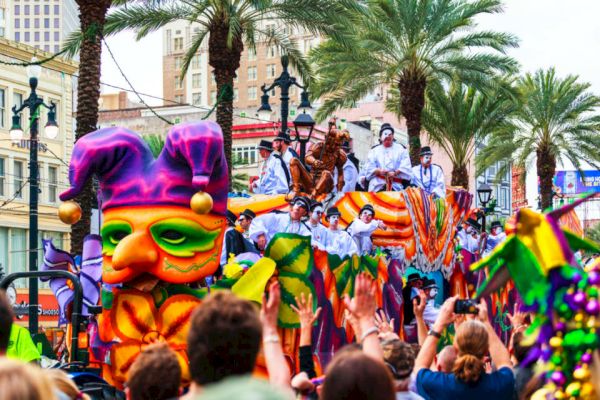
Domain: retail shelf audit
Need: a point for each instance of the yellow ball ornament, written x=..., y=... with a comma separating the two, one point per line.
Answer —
x=69, y=212
x=555, y=342
x=573, y=389
x=581, y=374
x=201, y=203
x=587, y=390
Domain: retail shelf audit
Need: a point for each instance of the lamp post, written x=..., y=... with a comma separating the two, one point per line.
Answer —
x=303, y=124
x=284, y=82
x=33, y=103
x=484, y=193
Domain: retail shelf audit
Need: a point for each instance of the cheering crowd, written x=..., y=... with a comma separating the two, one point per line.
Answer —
x=231, y=342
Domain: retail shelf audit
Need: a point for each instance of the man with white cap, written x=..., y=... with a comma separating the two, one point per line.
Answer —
x=431, y=311
x=281, y=144
x=265, y=226
x=388, y=166
x=363, y=227
x=274, y=176
x=496, y=236
x=338, y=241
x=428, y=176
x=469, y=236
x=314, y=224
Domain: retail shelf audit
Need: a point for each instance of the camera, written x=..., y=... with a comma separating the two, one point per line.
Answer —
x=467, y=306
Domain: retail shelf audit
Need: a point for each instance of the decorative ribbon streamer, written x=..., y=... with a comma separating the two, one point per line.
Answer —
x=89, y=270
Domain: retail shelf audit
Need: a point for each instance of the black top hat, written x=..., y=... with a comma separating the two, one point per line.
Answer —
x=248, y=213
x=231, y=218
x=429, y=283
x=331, y=212
x=474, y=223
x=425, y=151
x=386, y=127
x=283, y=136
x=302, y=201
x=414, y=277
x=314, y=204
x=496, y=224
x=367, y=207
x=346, y=145
x=265, y=145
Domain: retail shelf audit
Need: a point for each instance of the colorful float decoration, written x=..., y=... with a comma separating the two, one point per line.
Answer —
x=163, y=227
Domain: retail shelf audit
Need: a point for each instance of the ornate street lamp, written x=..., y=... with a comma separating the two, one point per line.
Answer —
x=33, y=103
x=484, y=193
x=303, y=125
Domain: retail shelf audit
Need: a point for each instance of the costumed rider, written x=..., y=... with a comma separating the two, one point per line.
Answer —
x=469, y=236
x=281, y=144
x=245, y=220
x=265, y=226
x=496, y=236
x=338, y=241
x=414, y=283
x=388, y=166
x=363, y=227
x=431, y=312
x=274, y=176
x=350, y=170
x=314, y=224
x=234, y=242
x=428, y=176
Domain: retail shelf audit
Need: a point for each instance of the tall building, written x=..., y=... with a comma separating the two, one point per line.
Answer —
x=14, y=156
x=257, y=67
x=43, y=24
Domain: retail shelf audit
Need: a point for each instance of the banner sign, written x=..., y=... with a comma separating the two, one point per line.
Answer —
x=571, y=182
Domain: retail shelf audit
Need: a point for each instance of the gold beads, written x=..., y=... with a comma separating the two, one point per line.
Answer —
x=69, y=212
x=201, y=203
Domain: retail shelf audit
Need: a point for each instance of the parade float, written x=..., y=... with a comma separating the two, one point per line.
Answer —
x=161, y=237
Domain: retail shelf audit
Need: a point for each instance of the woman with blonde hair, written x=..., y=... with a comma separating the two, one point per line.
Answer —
x=473, y=341
x=65, y=385
x=20, y=381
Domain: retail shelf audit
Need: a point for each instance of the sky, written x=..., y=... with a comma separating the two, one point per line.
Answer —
x=559, y=33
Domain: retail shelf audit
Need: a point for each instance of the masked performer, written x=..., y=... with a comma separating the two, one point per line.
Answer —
x=428, y=176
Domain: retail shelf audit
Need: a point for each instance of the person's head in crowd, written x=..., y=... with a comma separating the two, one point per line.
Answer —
x=155, y=374
x=425, y=155
x=246, y=218
x=399, y=357
x=347, y=146
x=65, y=385
x=20, y=381
x=496, y=228
x=430, y=288
x=265, y=148
x=472, y=343
x=333, y=217
x=354, y=375
x=299, y=208
x=6, y=321
x=243, y=388
x=224, y=338
x=367, y=213
x=386, y=135
x=231, y=218
x=415, y=280
x=281, y=142
x=316, y=211
x=472, y=226
x=445, y=359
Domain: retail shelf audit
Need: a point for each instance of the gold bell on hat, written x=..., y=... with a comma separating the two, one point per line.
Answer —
x=69, y=212
x=201, y=203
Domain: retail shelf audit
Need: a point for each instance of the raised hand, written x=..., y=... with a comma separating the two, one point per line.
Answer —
x=363, y=305
x=270, y=308
x=383, y=324
x=305, y=310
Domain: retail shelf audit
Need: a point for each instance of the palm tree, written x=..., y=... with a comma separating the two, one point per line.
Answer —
x=407, y=44
x=229, y=26
x=557, y=121
x=459, y=118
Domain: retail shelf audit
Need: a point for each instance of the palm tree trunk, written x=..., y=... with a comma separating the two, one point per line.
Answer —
x=225, y=60
x=412, y=95
x=460, y=176
x=92, y=14
x=546, y=167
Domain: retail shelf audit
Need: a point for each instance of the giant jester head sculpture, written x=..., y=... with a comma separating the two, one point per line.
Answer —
x=150, y=231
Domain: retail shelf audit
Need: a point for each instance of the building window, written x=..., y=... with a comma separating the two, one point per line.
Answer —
x=18, y=36
x=47, y=23
x=56, y=36
x=2, y=107
x=17, y=23
x=47, y=36
x=504, y=202
x=47, y=9
x=236, y=94
x=252, y=54
x=272, y=51
x=178, y=83
x=36, y=9
x=244, y=154
x=56, y=23
x=56, y=9
x=27, y=36
x=213, y=97
x=178, y=63
x=178, y=44
x=196, y=81
x=36, y=36
x=18, y=254
x=213, y=81
x=52, y=183
x=56, y=48
x=252, y=73
x=179, y=99
x=271, y=70
x=18, y=179
x=47, y=47
x=17, y=10
x=196, y=61
x=252, y=93
x=36, y=23
x=26, y=9
x=2, y=175
x=26, y=22
x=196, y=99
